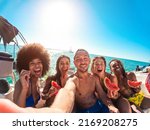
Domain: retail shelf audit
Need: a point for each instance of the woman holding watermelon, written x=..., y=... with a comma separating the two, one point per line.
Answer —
x=106, y=79
x=128, y=85
x=58, y=80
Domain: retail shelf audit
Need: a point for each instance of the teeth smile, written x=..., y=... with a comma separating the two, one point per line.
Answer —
x=99, y=70
x=37, y=71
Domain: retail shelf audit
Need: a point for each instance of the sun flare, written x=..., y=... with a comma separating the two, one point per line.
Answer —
x=58, y=20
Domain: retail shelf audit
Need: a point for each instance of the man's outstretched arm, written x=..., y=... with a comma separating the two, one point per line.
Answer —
x=63, y=102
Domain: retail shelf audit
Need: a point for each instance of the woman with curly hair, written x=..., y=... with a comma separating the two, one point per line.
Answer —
x=32, y=63
x=61, y=76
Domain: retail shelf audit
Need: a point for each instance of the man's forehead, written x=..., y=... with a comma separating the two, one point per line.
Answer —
x=81, y=52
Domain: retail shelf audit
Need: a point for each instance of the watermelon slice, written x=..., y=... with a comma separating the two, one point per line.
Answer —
x=134, y=84
x=55, y=88
x=112, y=88
x=54, y=84
x=109, y=85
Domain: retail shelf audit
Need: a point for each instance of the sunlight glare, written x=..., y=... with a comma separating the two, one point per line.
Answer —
x=59, y=20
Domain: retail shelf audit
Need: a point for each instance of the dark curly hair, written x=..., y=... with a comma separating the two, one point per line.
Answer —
x=32, y=51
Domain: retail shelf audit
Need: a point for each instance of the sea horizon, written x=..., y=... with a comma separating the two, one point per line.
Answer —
x=129, y=64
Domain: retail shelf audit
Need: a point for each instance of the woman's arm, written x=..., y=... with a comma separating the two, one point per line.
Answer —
x=107, y=101
x=20, y=95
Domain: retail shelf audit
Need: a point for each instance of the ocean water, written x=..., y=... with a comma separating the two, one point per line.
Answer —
x=129, y=65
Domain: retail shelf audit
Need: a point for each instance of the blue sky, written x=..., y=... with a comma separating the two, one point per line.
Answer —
x=117, y=28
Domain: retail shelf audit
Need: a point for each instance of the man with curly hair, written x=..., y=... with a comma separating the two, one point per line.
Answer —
x=32, y=63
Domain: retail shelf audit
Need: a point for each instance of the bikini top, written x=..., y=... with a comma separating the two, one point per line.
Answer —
x=30, y=101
